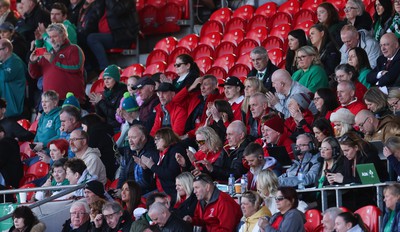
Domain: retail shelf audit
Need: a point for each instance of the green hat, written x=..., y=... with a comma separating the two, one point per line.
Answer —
x=70, y=100
x=113, y=72
x=129, y=104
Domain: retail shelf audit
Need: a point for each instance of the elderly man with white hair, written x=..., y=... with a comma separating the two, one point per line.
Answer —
x=80, y=219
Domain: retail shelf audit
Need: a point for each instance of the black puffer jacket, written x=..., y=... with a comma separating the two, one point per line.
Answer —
x=121, y=18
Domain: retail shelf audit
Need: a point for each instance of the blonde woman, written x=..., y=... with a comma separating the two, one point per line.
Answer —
x=393, y=100
x=252, y=85
x=186, y=201
x=267, y=187
x=343, y=121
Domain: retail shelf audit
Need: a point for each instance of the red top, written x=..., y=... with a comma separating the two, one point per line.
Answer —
x=158, y=183
x=103, y=24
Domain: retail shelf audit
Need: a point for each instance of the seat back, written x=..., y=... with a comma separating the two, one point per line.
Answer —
x=24, y=123
x=224, y=48
x=239, y=70
x=148, y=20
x=211, y=26
x=311, y=4
x=303, y=16
x=155, y=68
x=280, y=18
x=235, y=23
x=222, y=15
x=156, y=56
x=213, y=39
x=275, y=55
x=267, y=9
x=257, y=21
x=245, y=12
x=305, y=26
x=235, y=36
x=167, y=44
x=226, y=61
x=97, y=86
x=313, y=219
x=202, y=50
x=272, y=42
x=204, y=63
x=39, y=169
x=133, y=70
x=370, y=216
x=291, y=7
x=281, y=31
x=189, y=41
x=245, y=59
x=176, y=52
x=218, y=72
x=257, y=34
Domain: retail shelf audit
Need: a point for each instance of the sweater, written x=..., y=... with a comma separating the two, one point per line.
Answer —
x=94, y=165
x=293, y=220
x=251, y=223
x=313, y=78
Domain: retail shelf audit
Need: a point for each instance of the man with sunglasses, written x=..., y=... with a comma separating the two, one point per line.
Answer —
x=377, y=129
x=215, y=210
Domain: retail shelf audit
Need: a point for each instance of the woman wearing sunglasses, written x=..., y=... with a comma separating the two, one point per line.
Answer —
x=289, y=218
x=187, y=71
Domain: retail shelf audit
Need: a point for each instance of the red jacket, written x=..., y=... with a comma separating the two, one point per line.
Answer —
x=63, y=73
x=354, y=107
x=237, y=110
x=291, y=126
x=360, y=90
x=222, y=213
x=178, y=116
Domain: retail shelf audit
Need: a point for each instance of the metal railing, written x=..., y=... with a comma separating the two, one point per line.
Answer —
x=68, y=189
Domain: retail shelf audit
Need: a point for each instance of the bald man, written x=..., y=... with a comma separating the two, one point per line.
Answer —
x=377, y=129
x=387, y=70
x=166, y=220
x=285, y=87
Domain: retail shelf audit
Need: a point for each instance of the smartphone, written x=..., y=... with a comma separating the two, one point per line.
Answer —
x=40, y=51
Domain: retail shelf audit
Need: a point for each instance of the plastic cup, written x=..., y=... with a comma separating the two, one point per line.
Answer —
x=238, y=188
x=22, y=197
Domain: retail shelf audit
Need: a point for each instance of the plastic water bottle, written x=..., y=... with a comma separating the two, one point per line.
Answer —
x=231, y=185
x=300, y=178
x=243, y=183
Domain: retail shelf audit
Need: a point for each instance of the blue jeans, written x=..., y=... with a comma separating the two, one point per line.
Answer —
x=99, y=43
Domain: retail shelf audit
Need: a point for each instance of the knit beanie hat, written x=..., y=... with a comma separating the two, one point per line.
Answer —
x=276, y=123
x=96, y=187
x=302, y=100
x=113, y=72
x=343, y=115
x=129, y=104
x=70, y=100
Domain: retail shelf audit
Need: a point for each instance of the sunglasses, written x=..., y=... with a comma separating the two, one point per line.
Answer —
x=279, y=198
x=178, y=65
x=201, y=142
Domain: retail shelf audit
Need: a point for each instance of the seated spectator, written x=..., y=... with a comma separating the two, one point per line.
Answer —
x=11, y=168
x=358, y=58
x=285, y=87
x=113, y=218
x=187, y=71
x=74, y=9
x=352, y=38
x=215, y=210
x=233, y=89
x=301, y=118
x=58, y=149
x=146, y=90
x=168, y=113
x=288, y=218
x=91, y=156
x=267, y=187
x=376, y=129
x=141, y=144
x=70, y=118
x=310, y=73
x=343, y=121
x=326, y=102
x=332, y=160
x=94, y=191
x=219, y=116
x=167, y=168
x=165, y=220
x=130, y=196
x=7, y=15
x=95, y=209
x=306, y=162
x=11, y=127
x=347, y=221
x=387, y=65
x=107, y=103
x=80, y=220
x=130, y=83
x=101, y=137
x=25, y=220
x=110, y=25
x=391, y=217
x=254, y=157
x=328, y=53
x=346, y=96
x=274, y=134
x=328, y=16
x=394, y=24
x=253, y=210
x=258, y=108
x=186, y=200
x=77, y=173
x=346, y=72
x=262, y=69
x=328, y=219
x=20, y=46
x=296, y=39
x=58, y=177
x=210, y=147
x=376, y=102
x=382, y=17
x=322, y=129
x=393, y=100
x=230, y=159
x=49, y=122
x=392, y=152
x=357, y=16
x=252, y=85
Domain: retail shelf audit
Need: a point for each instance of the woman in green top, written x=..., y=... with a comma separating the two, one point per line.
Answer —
x=358, y=58
x=382, y=20
x=310, y=74
x=391, y=220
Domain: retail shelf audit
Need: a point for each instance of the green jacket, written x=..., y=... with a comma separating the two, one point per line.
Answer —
x=363, y=77
x=48, y=127
x=313, y=78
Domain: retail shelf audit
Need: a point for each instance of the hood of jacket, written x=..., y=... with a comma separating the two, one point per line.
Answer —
x=90, y=150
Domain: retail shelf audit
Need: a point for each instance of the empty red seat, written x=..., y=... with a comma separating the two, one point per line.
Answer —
x=245, y=12
x=204, y=63
x=25, y=148
x=279, y=18
x=272, y=42
x=281, y=31
x=156, y=56
x=222, y=15
x=155, y=68
x=370, y=216
x=257, y=34
x=235, y=23
x=371, y=9
x=24, y=123
x=202, y=50
x=139, y=5
x=311, y=4
x=245, y=59
x=226, y=61
x=235, y=36
x=211, y=26
x=97, y=86
x=167, y=18
x=133, y=70
x=246, y=46
x=176, y=52
x=276, y=55
x=156, y=3
x=218, y=72
x=313, y=219
x=224, y=48
x=282, y=64
x=39, y=169
x=267, y=9
x=33, y=127
x=189, y=41
x=184, y=4
x=167, y=44
x=239, y=70
x=257, y=21
x=303, y=16
x=305, y=26
x=291, y=7
x=148, y=20
x=213, y=39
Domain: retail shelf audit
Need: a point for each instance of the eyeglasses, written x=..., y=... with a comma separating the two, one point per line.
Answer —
x=301, y=57
x=324, y=149
x=75, y=139
x=110, y=216
x=281, y=198
x=200, y=142
x=298, y=146
x=397, y=2
x=362, y=124
x=79, y=214
x=178, y=65
x=349, y=8
x=316, y=99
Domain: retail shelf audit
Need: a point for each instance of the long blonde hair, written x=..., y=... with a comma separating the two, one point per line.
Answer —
x=186, y=180
x=254, y=81
x=267, y=180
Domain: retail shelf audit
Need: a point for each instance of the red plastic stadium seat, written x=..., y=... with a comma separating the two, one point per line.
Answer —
x=272, y=42
x=39, y=169
x=226, y=61
x=167, y=18
x=189, y=41
x=133, y=70
x=246, y=46
x=97, y=86
x=245, y=12
x=281, y=31
x=139, y=5
x=371, y=9
x=203, y=50
x=213, y=39
x=184, y=4
x=204, y=63
x=257, y=34
x=156, y=56
x=235, y=36
x=291, y=7
x=170, y=68
x=257, y=21
x=239, y=70
x=24, y=148
x=276, y=55
x=26, y=179
x=313, y=219
x=268, y=9
x=33, y=127
x=282, y=64
x=370, y=216
x=303, y=16
x=114, y=184
x=171, y=75
x=29, y=195
x=222, y=15
x=24, y=123
x=235, y=23
x=224, y=48
x=245, y=59
x=156, y=3
x=211, y=26
x=311, y=4
x=176, y=52
x=148, y=20
x=155, y=68
x=279, y=18
x=167, y=44
x=305, y=26
x=218, y=72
